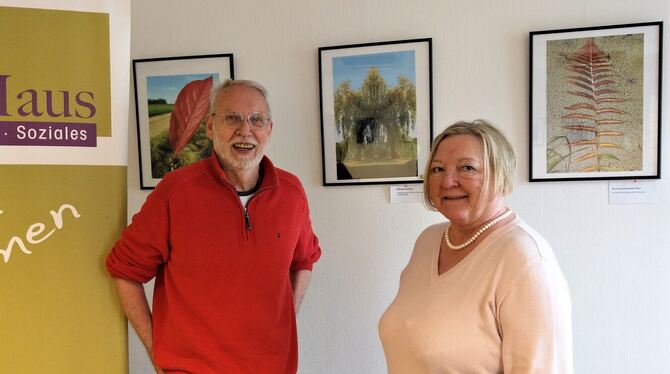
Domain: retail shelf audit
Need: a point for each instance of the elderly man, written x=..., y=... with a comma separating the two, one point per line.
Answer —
x=230, y=242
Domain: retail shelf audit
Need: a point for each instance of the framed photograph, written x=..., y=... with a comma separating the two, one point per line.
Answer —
x=595, y=103
x=170, y=136
x=376, y=112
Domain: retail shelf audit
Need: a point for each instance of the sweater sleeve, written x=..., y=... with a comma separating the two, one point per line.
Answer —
x=143, y=246
x=307, y=250
x=535, y=321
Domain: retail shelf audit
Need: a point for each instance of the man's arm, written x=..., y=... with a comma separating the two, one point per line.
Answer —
x=299, y=282
x=135, y=305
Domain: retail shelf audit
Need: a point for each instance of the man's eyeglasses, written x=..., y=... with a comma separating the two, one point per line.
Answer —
x=234, y=119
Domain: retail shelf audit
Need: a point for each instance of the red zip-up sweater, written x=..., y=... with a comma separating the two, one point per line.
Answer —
x=223, y=301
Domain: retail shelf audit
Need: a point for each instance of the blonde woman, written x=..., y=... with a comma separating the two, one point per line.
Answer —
x=482, y=293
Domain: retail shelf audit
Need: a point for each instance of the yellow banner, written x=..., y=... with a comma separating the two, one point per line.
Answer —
x=63, y=149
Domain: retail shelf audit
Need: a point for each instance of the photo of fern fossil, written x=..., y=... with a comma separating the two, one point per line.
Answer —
x=595, y=104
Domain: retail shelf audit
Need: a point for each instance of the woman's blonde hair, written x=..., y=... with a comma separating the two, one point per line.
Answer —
x=501, y=165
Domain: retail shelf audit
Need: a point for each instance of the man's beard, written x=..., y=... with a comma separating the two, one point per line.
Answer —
x=245, y=163
x=240, y=162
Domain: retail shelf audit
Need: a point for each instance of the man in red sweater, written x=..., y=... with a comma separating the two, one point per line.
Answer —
x=230, y=243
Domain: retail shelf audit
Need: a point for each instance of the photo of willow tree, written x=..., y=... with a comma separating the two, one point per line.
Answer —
x=595, y=104
x=174, y=146
x=375, y=115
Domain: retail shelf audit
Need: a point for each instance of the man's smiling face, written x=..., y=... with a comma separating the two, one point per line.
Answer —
x=239, y=148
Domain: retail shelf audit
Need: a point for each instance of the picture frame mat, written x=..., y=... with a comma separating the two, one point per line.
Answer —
x=652, y=69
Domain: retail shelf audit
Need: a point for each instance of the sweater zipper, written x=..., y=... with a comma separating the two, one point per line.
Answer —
x=246, y=230
x=246, y=218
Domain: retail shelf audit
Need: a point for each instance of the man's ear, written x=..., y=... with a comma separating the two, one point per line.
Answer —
x=209, y=122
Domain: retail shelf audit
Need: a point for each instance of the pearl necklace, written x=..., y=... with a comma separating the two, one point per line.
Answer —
x=487, y=226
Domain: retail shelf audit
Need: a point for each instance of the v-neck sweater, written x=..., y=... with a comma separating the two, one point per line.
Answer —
x=504, y=308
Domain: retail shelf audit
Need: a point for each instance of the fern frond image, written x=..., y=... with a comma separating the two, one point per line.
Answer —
x=593, y=115
x=560, y=153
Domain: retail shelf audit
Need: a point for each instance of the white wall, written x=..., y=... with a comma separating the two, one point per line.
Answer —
x=615, y=257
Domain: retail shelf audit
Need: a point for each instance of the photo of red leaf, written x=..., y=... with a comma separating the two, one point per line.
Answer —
x=189, y=110
x=172, y=102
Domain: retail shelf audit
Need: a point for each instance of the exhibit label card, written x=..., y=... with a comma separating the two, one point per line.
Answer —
x=406, y=193
x=638, y=191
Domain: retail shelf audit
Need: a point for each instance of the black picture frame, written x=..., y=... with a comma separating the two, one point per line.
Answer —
x=166, y=76
x=376, y=106
x=595, y=103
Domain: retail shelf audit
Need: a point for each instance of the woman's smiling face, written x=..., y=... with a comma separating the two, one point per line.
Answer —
x=457, y=184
